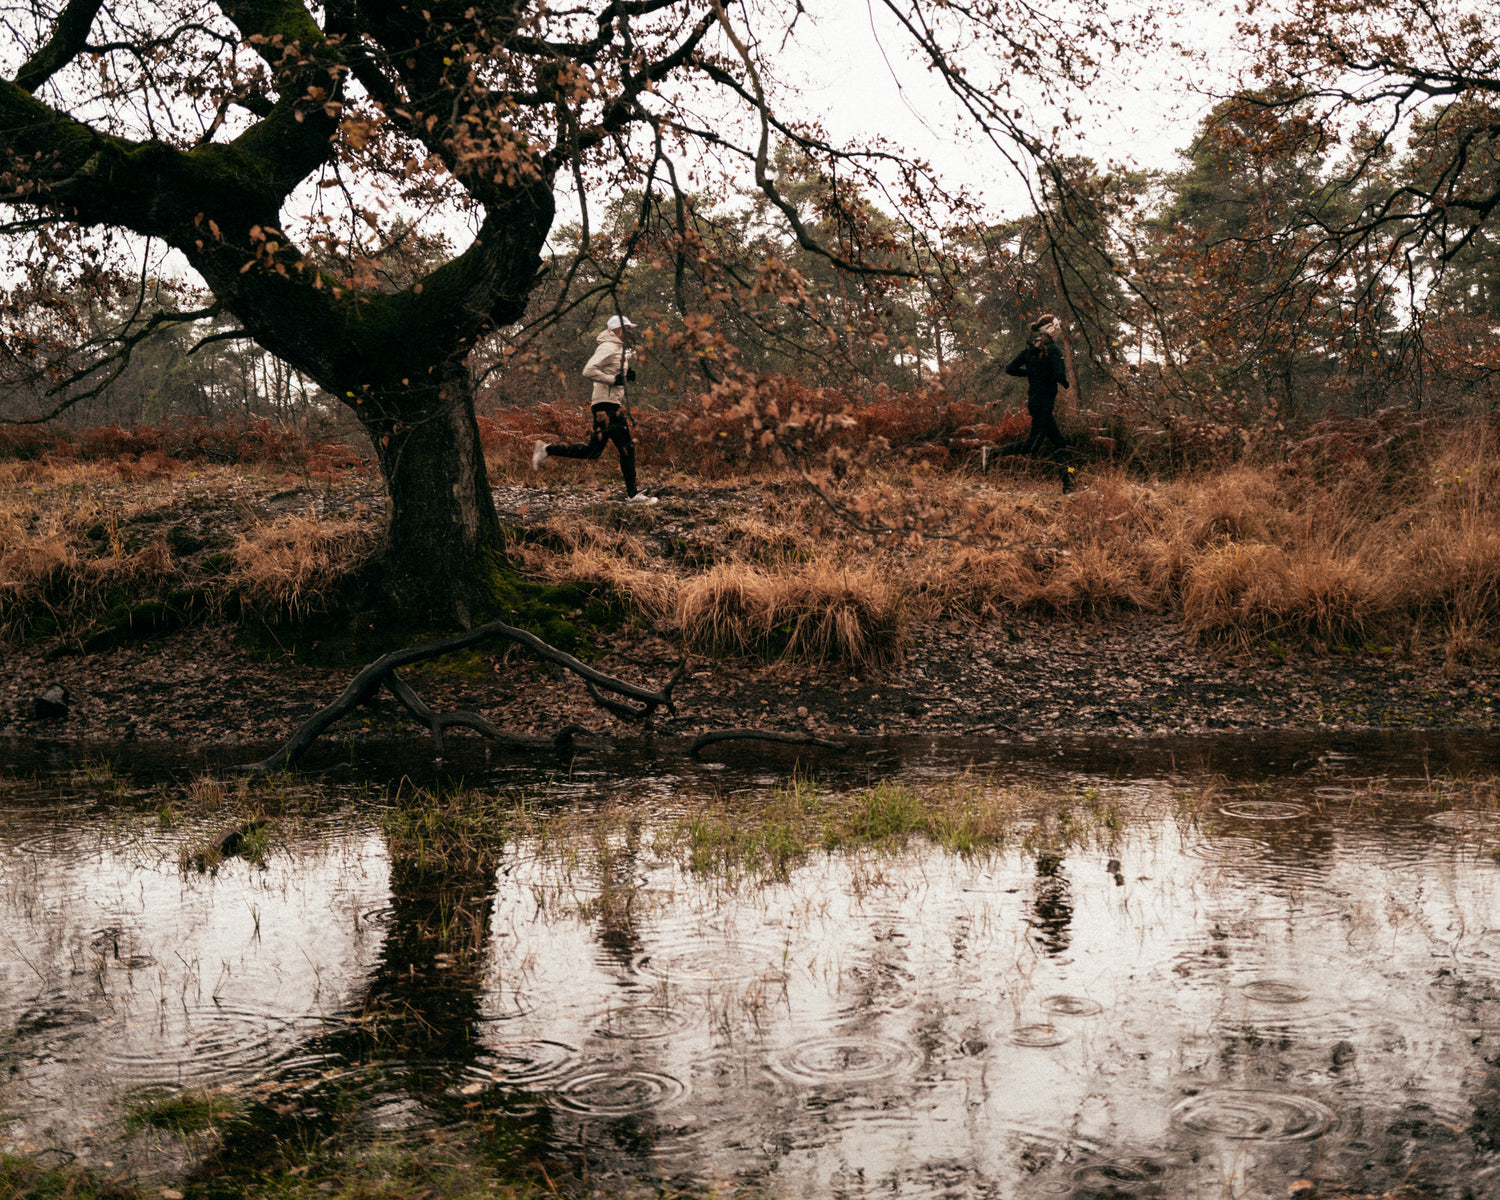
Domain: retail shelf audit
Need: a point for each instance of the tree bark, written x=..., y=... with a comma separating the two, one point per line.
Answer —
x=1064, y=312
x=442, y=534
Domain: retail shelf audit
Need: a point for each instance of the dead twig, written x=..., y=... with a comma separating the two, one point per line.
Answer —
x=762, y=735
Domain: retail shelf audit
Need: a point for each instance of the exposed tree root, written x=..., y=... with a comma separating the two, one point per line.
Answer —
x=382, y=673
x=761, y=735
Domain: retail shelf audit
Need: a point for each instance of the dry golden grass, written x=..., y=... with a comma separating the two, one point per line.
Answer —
x=980, y=582
x=1243, y=555
x=815, y=611
x=591, y=554
x=65, y=473
x=292, y=563
x=47, y=559
x=77, y=537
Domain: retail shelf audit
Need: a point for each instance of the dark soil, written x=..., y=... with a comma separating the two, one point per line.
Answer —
x=1132, y=676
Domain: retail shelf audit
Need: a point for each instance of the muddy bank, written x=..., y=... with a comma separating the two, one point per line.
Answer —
x=1131, y=678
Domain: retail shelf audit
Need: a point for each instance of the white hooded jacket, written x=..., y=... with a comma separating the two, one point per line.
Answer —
x=609, y=359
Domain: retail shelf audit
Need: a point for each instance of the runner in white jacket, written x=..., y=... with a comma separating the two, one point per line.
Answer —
x=610, y=370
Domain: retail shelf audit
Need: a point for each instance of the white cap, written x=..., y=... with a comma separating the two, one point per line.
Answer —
x=616, y=322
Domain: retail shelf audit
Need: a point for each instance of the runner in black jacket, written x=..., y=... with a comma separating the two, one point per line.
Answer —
x=1041, y=364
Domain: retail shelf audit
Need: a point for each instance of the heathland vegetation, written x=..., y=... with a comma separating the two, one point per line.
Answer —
x=1381, y=532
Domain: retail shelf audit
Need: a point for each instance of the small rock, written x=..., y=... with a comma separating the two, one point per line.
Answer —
x=52, y=704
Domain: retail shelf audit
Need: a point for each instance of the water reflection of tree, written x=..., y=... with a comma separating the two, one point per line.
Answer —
x=414, y=1040
x=1051, y=905
x=615, y=905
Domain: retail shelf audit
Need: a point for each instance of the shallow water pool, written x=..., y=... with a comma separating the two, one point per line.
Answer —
x=1220, y=990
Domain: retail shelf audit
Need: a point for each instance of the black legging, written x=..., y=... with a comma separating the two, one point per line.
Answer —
x=1043, y=427
x=609, y=426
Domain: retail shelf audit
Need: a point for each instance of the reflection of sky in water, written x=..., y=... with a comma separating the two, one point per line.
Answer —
x=119, y=970
x=1292, y=985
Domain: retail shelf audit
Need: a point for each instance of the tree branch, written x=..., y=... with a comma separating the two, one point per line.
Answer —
x=69, y=36
x=761, y=735
x=382, y=672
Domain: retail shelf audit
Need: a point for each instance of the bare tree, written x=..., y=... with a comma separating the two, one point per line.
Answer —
x=287, y=152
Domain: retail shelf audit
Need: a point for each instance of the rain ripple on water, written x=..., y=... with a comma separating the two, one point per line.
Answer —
x=840, y=1060
x=1254, y=1115
x=1071, y=1006
x=619, y=1093
x=1264, y=810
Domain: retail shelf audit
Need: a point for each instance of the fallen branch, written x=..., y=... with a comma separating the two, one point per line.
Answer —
x=761, y=735
x=382, y=673
x=990, y=728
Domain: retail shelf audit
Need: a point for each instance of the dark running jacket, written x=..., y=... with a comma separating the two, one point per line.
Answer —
x=1043, y=370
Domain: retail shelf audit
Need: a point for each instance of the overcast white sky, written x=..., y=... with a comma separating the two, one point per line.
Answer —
x=854, y=65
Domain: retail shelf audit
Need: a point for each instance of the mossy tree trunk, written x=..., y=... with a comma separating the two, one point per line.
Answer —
x=442, y=534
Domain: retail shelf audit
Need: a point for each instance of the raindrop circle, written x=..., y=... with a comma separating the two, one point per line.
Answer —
x=57, y=843
x=1264, y=810
x=847, y=1059
x=1466, y=820
x=689, y=958
x=1120, y=1174
x=1038, y=1034
x=1276, y=991
x=619, y=1093
x=220, y=1041
x=1071, y=1006
x=640, y=1024
x=1253, y=1115
x=1227, y=851
x=523, y=1063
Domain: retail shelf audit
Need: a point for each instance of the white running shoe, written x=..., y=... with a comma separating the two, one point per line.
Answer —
x=640, y=498
x=538, y=455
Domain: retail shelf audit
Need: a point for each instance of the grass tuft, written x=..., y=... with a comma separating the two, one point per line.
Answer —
x=964, y=816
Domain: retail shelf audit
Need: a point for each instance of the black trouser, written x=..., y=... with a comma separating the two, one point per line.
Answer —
x=609, y=426
x=1043, y=428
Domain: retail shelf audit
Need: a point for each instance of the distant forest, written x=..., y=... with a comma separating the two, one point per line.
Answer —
x=1210, y=292
x=1325, y=245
